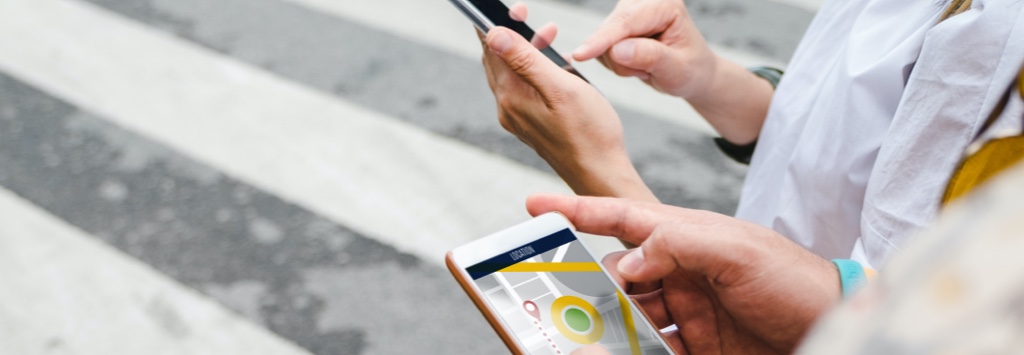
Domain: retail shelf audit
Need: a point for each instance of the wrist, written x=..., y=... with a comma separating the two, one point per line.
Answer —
x=605, y=175
x=735, y=102
x=702, y=90
x=695, y=77
x=816, y=292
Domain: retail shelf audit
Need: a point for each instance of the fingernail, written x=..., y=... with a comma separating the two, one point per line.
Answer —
x=624, y=52
x=501, y=42
x=580, y=51
x=632, y=262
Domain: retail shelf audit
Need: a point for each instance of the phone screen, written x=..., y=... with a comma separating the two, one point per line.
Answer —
x=555, y=298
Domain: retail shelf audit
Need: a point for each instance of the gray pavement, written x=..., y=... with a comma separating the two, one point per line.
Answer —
x=766, y=28
x=302, y=276
x=323, y=287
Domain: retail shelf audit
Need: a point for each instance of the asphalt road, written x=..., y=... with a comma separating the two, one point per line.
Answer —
x=222, y=185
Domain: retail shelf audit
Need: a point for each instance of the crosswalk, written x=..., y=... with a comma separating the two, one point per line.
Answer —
x=445, y=28
x=302, y=164
x=77, y=295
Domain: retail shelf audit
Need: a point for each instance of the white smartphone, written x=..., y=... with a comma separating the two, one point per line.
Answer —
x=486, y=14
x=545, y=293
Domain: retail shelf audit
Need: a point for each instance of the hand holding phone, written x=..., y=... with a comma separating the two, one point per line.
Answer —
x=731, y=286
x=487, y=14
x=545, y=293
x=564, y=119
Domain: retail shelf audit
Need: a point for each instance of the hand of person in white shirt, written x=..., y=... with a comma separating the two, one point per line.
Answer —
x=731, y=287
x=657, y=42
x=564, y=119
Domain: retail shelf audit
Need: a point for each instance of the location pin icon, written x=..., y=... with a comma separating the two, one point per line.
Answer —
x=532, y=309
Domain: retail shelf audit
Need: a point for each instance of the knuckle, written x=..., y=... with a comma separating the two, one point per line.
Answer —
x=505, y=103
x=521, y=61
x=557, y=96
x=621, y=226
x=503, y=78
x=659, y=241
x=671, y=232
x=506, y=123
x=659, y=235
x=507, y=126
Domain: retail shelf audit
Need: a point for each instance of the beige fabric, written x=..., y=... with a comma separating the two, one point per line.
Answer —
x=959, y=289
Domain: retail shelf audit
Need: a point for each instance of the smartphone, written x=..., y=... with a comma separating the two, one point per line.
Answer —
x=545, y=293
x=487, y=14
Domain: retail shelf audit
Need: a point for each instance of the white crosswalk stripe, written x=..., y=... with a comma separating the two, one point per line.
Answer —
x=71, y=294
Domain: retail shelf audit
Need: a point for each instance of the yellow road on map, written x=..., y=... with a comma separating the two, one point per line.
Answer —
x=627, y=318
x=553, y=267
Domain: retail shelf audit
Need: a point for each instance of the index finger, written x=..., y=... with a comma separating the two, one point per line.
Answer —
x=633, y=20
x=518, y=12
x=632, y=221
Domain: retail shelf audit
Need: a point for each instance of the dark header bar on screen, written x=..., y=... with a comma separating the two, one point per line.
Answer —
x=527, y=251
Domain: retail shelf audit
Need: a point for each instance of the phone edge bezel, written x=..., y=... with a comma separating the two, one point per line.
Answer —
x=482, y=22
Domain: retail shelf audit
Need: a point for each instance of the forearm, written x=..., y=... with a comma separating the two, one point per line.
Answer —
x=735, y=102
x=605, y=177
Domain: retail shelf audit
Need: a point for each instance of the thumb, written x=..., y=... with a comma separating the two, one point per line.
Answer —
x=643, y=54
x=524, y=59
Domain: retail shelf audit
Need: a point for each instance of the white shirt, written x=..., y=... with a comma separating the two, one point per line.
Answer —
x=871, y=119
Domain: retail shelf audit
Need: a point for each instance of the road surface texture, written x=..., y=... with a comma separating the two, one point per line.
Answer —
x=284, y=176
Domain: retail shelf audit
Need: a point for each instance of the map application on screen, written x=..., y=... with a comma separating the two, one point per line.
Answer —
x=554, y=297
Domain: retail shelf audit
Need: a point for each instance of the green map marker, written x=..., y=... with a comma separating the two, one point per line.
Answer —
x=577, y=320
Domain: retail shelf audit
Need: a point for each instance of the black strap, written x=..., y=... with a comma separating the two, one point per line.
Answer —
x=744, y=153
x=740, y=153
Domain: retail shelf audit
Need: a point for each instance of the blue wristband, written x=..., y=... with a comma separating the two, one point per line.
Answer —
x=851, y=275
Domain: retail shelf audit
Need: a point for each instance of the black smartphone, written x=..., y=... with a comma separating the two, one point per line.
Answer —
x=487, y=14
